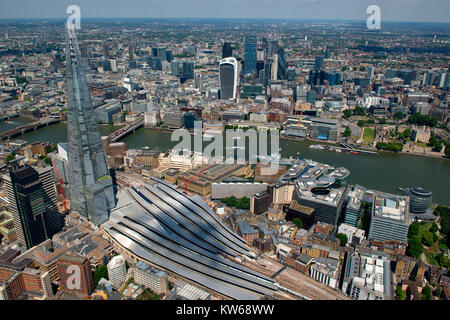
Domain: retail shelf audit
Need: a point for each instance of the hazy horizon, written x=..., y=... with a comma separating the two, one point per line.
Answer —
x=338, y=10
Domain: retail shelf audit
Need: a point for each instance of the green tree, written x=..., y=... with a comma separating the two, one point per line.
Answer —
x=438, y=292
x=399, y=293
x=413, y=229
x=426, y=291
x=427, y=238
x=361, y=123
x=298, y=222
x=399, y=115
x=10, y=157
x=343, y=238
x=347, y=113
x=99, y=273
x=434, y=227
x=347, y=132
x=415, y=247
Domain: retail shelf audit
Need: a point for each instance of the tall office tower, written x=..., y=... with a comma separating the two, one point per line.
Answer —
x=187, y=71
x=318, y=63
x=91, y=186
x=267, y=73
x=175, y=68
x=75, y=274
x=228, y=78
x=271, y=48
x=282, y=65
x=428, y=78
x=84, y=51
x=131, y=52
x=371, y=73
x=250, y=55
x=169, y=55
x=198, y=82
x=227, y=51
x=161, y=53
x=105, y=50
x=441, y=79
x=117, y=271
x=274, y=71
x=32, y=200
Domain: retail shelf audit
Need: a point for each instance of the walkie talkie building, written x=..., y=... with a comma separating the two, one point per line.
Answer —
x=91, y=186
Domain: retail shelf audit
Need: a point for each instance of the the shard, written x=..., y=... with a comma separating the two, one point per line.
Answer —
x=91, y=186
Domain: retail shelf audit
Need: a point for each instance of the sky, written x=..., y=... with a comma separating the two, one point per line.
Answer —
x=391, y=10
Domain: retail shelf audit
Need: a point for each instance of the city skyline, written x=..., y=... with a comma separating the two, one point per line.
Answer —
x=391, y=11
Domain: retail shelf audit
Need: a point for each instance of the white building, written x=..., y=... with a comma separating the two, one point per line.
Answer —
x=152, y=278
x=151, y=118
x=117, y=271
x=326, y=271
x=351, y=232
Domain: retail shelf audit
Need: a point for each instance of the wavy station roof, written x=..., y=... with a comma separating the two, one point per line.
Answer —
x=184, y=236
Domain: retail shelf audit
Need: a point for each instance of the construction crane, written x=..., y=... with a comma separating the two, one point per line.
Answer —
x=60, y=185
x=196, y=175
x=301, y=112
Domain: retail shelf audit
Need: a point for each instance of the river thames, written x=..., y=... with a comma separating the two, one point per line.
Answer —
x=383, y=172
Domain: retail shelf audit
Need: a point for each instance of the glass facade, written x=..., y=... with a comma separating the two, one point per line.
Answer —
x=91, y=187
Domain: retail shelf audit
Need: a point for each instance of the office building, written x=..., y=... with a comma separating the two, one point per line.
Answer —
x=367, y=277
x=237, y=189
x=19, y=281
x=420, y=199
x=91, y=189
x=187, y=71
x=406, y=75
x=326, y=202
x=303, y=213
x=318, y=63
x=228, y=75
x=117, y=271
x=104, y=114
x=353, y=207
x=75, y=274
x=173, y=118
x=250, y=55
x=227, y=51
x=151, y=118
x=390, y=217
x=198, y=82
x=282, y=65
x=326, y=271
x=150, y=277
x=32, y=201
x=260, y=202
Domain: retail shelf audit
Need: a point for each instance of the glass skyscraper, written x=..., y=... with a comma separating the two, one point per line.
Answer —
x=250, y=55
x=228, y=78
x=91, y=186
x=32, y=201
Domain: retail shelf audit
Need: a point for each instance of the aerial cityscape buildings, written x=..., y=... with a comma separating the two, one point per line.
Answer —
x=224, y=159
